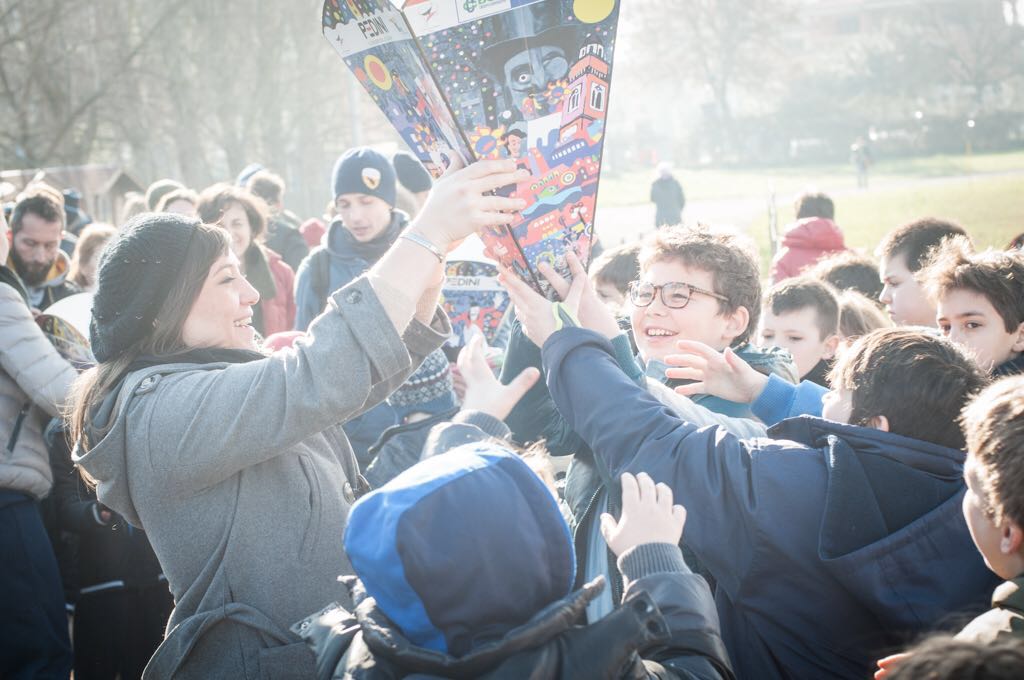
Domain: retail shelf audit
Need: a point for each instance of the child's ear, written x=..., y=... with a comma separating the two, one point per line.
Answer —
x=737, y=323
x=831, y=345
x=1018, y=344
x=1012, y=539
x=879, y=423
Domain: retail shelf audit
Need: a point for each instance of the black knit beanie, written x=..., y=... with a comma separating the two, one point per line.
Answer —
x=364, y=171
x=411, y=173
x=135, y=273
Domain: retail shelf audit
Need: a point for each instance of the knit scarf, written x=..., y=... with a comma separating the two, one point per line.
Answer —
x=373, y=250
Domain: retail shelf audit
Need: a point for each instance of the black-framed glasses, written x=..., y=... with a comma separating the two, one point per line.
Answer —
x=674, y=294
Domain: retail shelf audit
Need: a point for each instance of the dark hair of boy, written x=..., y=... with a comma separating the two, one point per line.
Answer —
x=802, y=292
x=732, y=265
x=849, y=270
x=946, y=658
x=994, y=423
x=859, y=316
x=44, y=202
x=266, y=185
x=815, y=205
x=618, y=266
x=914, y=241
x=995, y=274
x=217, y=198
x=918, y=382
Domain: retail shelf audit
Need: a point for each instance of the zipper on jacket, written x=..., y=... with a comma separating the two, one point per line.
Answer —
x=18, y=422
x=614, y=577
x=615, y=510
x=580, y=567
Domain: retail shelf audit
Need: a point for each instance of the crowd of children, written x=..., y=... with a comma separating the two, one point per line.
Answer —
x=819, y=479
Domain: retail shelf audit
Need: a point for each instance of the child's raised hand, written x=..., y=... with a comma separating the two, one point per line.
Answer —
x=593, y=313
x=648, y=515
x=539, y=316
x=722, y=374
x=483, y=391
x=889, y=663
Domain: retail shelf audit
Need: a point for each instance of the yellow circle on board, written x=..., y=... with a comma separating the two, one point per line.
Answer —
x=377, y=71
x=592, y=11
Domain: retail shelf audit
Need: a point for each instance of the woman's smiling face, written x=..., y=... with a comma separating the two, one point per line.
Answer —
x=221, y=315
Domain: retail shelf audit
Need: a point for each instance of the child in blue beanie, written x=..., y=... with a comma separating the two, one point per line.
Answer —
x=466, y=567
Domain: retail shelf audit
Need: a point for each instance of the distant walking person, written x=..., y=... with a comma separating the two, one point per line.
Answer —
x=860, y=155
x=667, y=195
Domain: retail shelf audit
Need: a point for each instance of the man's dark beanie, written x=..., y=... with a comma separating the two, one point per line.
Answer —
x=364, y=171
x=158, y=190
x=411, y=173
x=134, y=276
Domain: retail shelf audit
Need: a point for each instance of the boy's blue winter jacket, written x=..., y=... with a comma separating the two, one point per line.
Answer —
x=831, y=544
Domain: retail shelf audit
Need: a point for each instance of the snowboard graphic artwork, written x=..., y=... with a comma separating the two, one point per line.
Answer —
x=483, y=79
x=472, y=297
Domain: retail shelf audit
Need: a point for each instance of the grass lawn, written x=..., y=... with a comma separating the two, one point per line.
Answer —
x=970, y=190
x=990, y=207
x=633, y=188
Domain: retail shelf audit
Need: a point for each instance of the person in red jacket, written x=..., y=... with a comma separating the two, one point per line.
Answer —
x=245, y=217
x=811, y=237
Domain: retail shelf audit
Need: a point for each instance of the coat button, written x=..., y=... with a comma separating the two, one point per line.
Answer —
x=353, y=297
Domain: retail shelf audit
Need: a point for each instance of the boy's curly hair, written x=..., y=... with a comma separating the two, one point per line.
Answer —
x=995, y=274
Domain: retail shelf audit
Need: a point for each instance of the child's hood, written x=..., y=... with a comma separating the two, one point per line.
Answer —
x=461, y=548
x=892, y=530
x=818, y=233
x=769, y=360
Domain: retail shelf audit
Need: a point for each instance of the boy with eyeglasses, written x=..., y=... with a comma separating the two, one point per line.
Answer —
x=697, y=284
x=694, y=284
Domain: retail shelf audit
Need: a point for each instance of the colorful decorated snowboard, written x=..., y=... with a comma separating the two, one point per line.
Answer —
x=472, y=297
x=475, y=79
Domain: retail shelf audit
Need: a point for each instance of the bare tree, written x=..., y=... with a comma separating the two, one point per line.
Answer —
x=722, y=45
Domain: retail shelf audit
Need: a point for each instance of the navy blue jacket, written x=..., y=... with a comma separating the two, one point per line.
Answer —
x=831, y=543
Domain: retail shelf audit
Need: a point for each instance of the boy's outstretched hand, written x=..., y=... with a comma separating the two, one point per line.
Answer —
x=722, y=374
x=483, y=391
x=540, y=319
x=887, y=665
x=648, y=515
x=592, y=313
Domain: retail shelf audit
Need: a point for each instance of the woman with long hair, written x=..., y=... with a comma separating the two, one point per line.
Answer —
x=233, y=462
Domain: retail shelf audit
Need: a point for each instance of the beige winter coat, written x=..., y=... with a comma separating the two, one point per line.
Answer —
x=34, y=383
